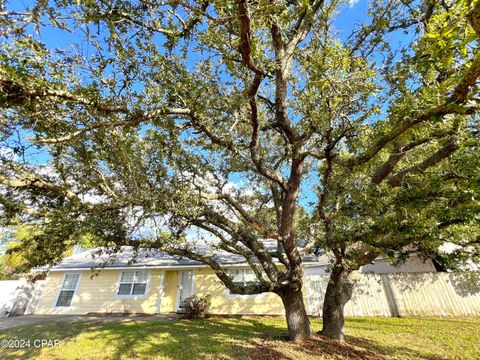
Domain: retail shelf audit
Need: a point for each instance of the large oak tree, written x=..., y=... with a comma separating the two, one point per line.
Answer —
x=249, y=121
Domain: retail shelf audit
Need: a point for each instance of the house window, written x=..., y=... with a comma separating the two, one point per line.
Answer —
x=69, y=285
x=243, y=277
x=133, y=283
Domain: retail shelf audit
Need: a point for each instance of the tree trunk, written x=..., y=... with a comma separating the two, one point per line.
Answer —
x=339, y=291
x=297, y=320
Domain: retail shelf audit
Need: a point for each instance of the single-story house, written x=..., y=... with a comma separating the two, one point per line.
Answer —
x=156, y=282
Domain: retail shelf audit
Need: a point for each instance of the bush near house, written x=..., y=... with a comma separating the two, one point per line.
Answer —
x=196, y=306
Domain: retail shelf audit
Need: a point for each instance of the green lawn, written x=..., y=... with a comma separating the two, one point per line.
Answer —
x=250, y=338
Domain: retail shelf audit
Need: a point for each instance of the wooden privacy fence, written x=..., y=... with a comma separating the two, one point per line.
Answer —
x=403, y=294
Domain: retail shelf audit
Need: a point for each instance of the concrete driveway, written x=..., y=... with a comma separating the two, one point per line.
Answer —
x=12, y=322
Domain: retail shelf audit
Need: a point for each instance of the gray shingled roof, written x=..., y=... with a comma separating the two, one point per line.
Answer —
x=98, y=258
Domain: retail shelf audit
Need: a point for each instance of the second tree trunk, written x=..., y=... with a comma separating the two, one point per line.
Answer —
x=337, y=294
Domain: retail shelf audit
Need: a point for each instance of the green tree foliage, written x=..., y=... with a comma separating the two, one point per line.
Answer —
x=248, y=121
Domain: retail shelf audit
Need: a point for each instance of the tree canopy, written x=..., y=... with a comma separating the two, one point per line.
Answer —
x=248, y=121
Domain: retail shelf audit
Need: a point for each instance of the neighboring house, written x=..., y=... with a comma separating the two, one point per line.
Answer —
x=154, y=283
x=413, y=264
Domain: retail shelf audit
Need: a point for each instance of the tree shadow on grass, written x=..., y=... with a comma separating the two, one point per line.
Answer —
x=187, y=339
x=184, y=339
x=32, y=335
x=251, y=338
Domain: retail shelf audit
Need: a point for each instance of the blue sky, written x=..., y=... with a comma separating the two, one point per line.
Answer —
x=351, y=14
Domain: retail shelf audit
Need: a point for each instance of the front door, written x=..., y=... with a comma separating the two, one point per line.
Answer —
x=185, y=287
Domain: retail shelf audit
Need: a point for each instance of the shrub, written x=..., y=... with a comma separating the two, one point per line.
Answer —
x=196, y=306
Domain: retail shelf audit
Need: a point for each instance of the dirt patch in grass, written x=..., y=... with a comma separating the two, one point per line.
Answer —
x=315, y=348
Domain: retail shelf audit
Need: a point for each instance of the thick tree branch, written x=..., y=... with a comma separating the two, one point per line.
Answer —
x=132, y=120
x=214, y=138
x=283, y=64
x=255, y=138
x=303, y=24
x=399, y=153
x=232, y=247
x=257, y=225
x=474, y=17
x=247, y=239
x=454, y=104
x=326, y=180
x=41, y=185
x=133, y=117
x=245, y=50
x=444, y=152
x=246, y=38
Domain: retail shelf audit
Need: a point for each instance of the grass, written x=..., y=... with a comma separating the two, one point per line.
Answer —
x=249, y=338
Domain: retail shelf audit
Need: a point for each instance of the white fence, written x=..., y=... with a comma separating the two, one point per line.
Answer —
x=18, y=297
x=404, y=294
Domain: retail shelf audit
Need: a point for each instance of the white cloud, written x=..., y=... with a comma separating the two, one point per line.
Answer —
x=7, y=153
x=352, y=3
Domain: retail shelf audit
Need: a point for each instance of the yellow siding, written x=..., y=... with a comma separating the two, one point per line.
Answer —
x=97, y=294
x=206, y=282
